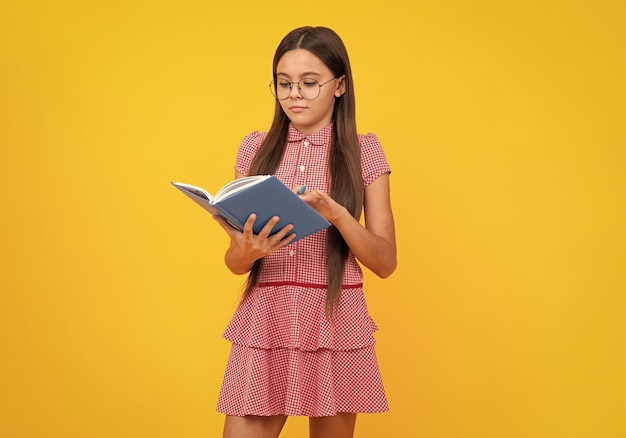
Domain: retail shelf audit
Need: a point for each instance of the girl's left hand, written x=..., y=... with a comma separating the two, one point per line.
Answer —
x=324, y=205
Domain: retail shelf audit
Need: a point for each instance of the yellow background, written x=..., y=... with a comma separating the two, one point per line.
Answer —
x=504, y=125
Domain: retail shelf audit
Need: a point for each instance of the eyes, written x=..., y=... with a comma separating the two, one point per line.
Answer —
x=304, y=83
x=307, y=88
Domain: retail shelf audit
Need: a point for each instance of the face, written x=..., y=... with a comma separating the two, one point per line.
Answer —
x=308, y=116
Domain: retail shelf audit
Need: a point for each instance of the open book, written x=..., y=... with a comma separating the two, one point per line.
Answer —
x=264, y=195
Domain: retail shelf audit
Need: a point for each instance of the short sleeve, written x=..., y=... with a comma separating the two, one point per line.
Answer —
x=247, y=150
x=373, y=160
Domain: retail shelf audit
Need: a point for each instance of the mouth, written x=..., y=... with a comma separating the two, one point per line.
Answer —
x=297, y=108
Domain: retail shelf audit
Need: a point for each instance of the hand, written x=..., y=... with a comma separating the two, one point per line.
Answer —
x=247, y=247
x=324, y=205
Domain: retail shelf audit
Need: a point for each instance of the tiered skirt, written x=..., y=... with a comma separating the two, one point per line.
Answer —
x=288, y=358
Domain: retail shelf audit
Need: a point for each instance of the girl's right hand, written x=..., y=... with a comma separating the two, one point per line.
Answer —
x=247, y=247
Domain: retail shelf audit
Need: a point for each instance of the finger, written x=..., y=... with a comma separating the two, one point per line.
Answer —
x=280, y=235
x=285, y=241
x=248, y=226
x=299, y=190
x=269, y=226
x=312, y=196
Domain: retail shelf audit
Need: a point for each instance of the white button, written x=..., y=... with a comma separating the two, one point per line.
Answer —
x=306, y=142
x=302, y=168
x=291, y=252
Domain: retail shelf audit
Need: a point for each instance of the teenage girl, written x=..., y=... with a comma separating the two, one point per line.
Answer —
x=302, y=337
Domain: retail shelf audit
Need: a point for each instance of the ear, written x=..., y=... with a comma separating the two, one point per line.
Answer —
x=341, y=86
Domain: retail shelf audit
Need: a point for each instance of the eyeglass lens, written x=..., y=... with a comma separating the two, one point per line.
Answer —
x=307, y=88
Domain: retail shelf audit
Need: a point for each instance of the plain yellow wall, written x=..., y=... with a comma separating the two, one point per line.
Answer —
x=504, y=125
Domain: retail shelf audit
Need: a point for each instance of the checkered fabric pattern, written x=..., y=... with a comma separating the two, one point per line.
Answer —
x=287, y=381
x=287, y=358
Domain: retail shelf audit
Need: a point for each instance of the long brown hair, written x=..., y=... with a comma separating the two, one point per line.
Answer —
x=344, y=160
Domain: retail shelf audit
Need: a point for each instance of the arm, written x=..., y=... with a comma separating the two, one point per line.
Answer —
x=373, y=245
x=246, y=247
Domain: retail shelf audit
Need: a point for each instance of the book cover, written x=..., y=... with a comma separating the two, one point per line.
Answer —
x=264, y=195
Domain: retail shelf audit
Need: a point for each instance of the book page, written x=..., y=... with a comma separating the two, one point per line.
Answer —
x=238, y=185
x=196, y=191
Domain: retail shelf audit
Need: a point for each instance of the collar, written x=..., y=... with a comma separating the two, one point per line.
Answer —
x=319, y=138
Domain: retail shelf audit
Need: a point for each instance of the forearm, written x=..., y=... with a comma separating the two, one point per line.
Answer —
x=237, y=262
x=375, y=252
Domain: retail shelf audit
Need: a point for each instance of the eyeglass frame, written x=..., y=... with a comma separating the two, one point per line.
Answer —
x=273, y=88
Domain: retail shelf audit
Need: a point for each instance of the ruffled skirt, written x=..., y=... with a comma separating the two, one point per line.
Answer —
x=287, y=381
x=287, y=358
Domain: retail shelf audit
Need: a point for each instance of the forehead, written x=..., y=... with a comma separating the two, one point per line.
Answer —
x=298, y=62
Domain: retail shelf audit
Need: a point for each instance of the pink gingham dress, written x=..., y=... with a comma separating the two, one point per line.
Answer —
x=286, y=358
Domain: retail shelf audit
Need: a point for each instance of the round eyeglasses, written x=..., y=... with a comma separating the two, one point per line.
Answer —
x=308, y=88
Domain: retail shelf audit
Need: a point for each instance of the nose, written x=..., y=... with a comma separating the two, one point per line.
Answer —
x=295, y=88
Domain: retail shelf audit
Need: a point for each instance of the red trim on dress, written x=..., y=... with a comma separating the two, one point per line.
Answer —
x=312, y=285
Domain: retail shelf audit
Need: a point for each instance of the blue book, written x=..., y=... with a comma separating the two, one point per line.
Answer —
x=264, y=195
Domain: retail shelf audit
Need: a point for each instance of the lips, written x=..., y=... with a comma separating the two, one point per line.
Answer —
x=297, y=109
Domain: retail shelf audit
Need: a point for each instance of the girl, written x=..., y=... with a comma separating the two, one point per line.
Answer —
x=302, y=338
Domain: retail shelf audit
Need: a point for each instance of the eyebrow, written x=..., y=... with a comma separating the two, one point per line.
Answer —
x=305, y=74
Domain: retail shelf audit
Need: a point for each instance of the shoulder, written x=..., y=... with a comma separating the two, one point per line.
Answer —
x=373, y=160
x=253, y=139
x=247, y=150
x=370, y=146
x=369, y=139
